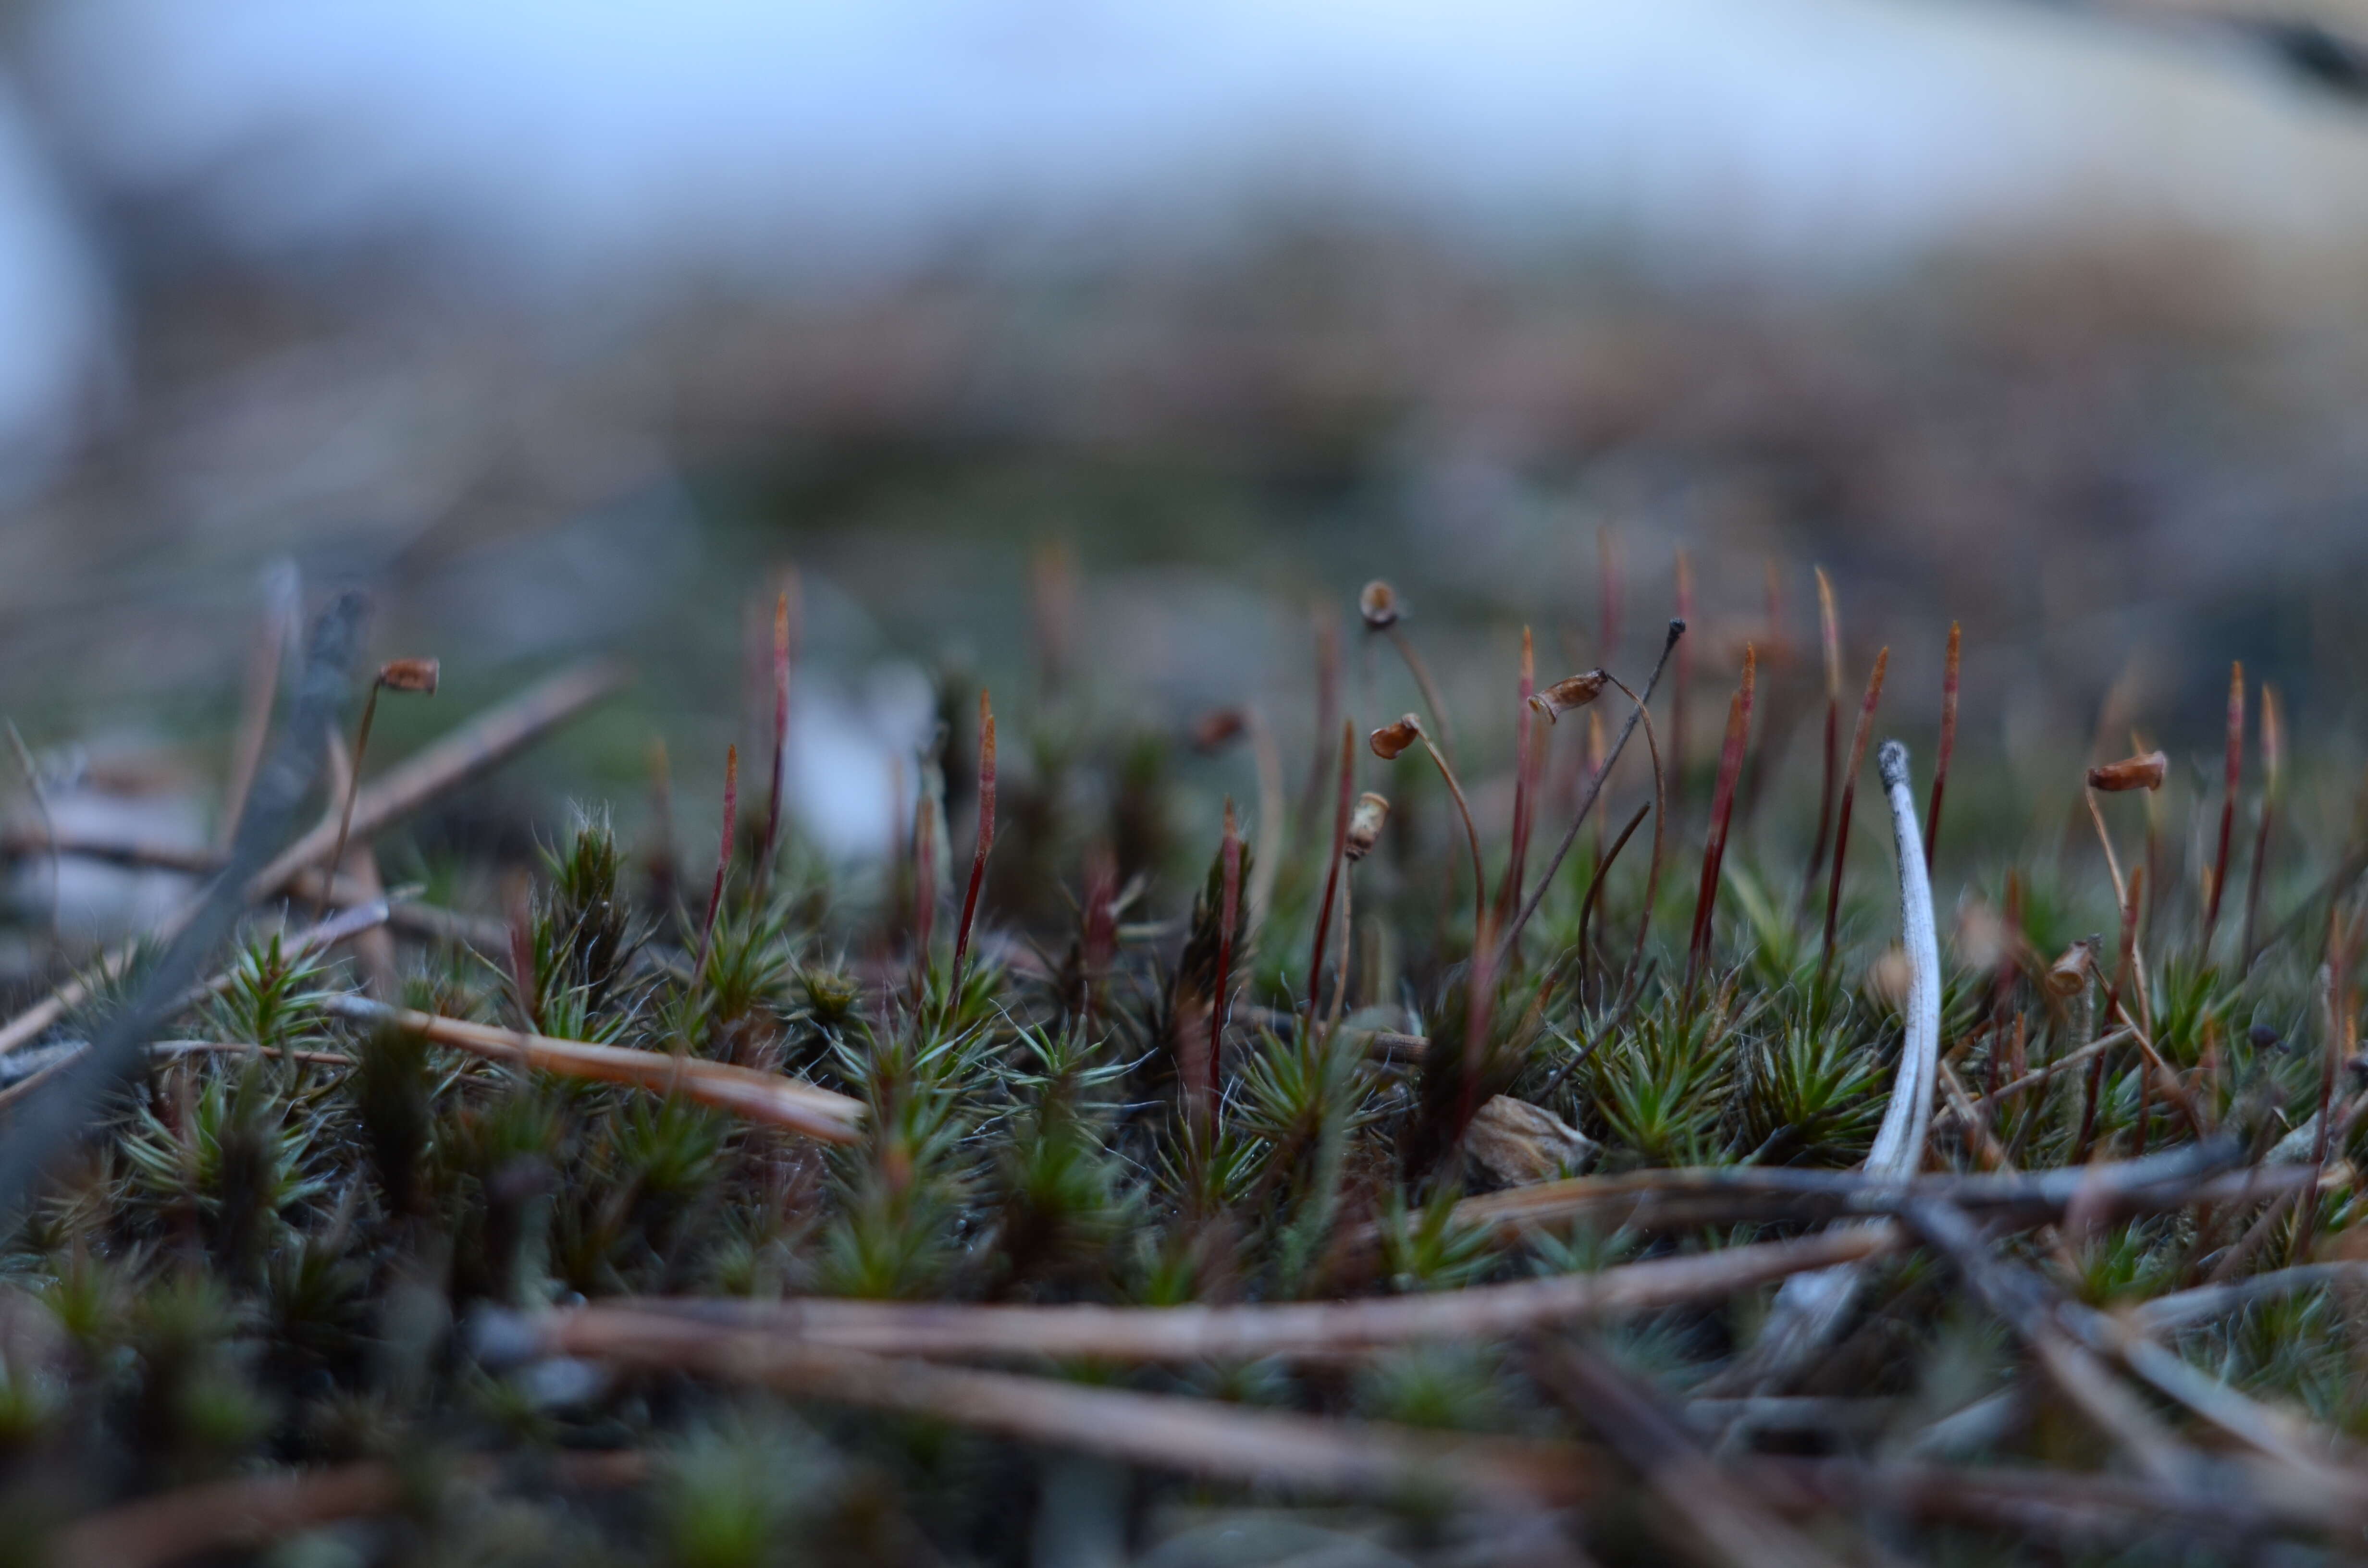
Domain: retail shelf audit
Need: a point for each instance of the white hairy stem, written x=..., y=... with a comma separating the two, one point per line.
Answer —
x=1810, y=1308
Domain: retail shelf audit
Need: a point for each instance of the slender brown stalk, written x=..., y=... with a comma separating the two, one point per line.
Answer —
x=1512, y=933
x=1722, y=809
x=1508, y=895
x=1683, y=684
x=985, y=840
x=1595, y=750
x=1421, y=673
x=1339, y=850
x=665, y=876
x=395, y=674
x=723, y=855
x=1266, y=861
x=2122, y=968
x=2232, y=777
x=2272, y=771
x=1830, y=639
x=1247, y=1331
x=1607, y=581
x=477, y=746
x=784, y=643
x=1849, y=796
x=1389, y=743
x=1947, y=749
x=1327, y=712
x=1595, y=888
x=1228, y=922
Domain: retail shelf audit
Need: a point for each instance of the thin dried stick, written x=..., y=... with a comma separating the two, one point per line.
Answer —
x=2180, y=1309
x=2019, y=1298
x=1670, y=1198
x=118, y=1047
x=320, y=938
x=759, y=1096
x=1164, y=1431
x=1714, y=1508
x=1248, y=1332
x=252, y=1511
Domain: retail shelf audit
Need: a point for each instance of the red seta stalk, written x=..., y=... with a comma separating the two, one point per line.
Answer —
x=2234, y=776
x=2273, y=776
x=986, y=840
x=785, y=608
x=1508, y=895
x=1228, y=922
x=722, y=852
x=1850, y=795
x=1829, y=636
x=1722, y=809
x=1683, y=681
x=1339, y=852
x=1947, y=749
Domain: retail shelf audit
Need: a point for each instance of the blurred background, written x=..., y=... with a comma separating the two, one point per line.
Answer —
x=1116, y=343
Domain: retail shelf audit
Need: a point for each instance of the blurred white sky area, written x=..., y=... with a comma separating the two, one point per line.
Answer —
x=542, y=148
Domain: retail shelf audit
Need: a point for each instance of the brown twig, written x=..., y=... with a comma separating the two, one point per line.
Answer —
x=1164, y=1431
x=1246, y=1332
x=760, y=1097
x=251, y=1511
x=1714, y=1508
